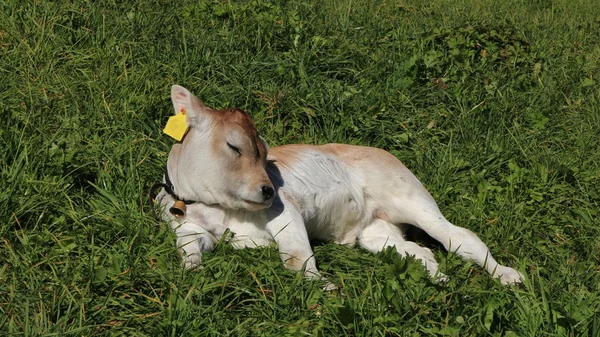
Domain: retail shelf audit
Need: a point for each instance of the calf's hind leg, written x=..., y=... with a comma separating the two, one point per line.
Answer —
x=381, y=234
x=426, y=215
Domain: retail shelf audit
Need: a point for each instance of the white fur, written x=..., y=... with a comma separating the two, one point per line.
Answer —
x=332, y=192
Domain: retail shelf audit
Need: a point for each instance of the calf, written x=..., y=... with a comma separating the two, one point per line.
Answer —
x=221, y=175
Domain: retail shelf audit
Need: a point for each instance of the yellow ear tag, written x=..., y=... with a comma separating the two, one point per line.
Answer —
x=176, y=126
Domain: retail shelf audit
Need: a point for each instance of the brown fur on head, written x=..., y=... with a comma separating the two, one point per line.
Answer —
x=222, y=159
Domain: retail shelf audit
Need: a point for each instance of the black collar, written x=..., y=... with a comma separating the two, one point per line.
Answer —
x=169, y=188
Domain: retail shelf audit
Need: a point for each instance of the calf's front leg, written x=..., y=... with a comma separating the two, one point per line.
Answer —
x=286, y=226
x=192, y=241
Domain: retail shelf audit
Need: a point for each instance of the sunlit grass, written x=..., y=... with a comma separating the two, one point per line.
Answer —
x=493, y=105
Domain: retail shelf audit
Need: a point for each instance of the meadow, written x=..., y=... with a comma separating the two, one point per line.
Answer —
x=494, y=105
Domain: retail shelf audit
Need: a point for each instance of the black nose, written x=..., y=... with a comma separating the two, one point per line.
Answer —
x=267, y=192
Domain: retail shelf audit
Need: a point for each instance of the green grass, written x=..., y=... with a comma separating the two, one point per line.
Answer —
x=494, y=105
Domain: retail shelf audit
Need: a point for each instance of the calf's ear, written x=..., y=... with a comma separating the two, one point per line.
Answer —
x=265, y=143
x=184, y=101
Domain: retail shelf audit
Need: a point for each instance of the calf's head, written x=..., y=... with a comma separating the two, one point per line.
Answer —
x=221, y=160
